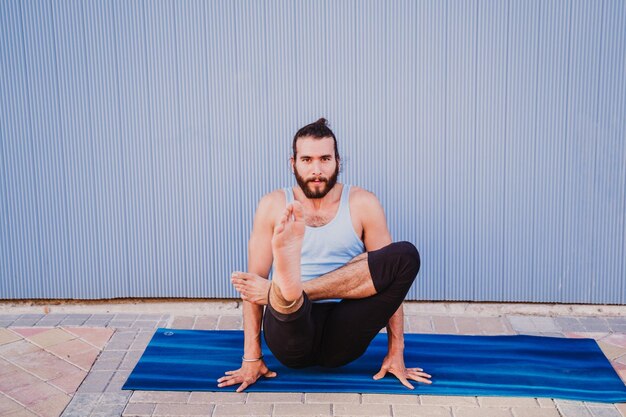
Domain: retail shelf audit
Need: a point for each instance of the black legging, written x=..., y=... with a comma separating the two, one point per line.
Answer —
x=336, y=333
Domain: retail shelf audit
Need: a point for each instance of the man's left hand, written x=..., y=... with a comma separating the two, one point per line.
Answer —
x=394, y=364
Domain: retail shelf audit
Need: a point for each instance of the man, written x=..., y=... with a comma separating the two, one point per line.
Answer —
x=337, y=279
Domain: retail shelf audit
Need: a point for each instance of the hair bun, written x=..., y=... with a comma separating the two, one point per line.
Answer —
x=321, y=121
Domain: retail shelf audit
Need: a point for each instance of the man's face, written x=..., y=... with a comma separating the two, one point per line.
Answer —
x=315, y=166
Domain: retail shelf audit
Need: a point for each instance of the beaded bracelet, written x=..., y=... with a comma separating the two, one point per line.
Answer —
x=251, y=360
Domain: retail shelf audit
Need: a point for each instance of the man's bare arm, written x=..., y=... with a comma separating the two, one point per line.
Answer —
x=375, y=236
x=259, y=262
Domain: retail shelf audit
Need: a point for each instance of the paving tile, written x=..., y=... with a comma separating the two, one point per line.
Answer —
x=481, y=412
x=107, y=364
x=33, y=393
x=444, y=325
x=44, y=365
x=108, y=410
x=594, y=324
x=230, y=323
x=73, y=321
x=389, y=399
x=521, y=323
x=121, y=323
x=81, y=405
x=16, y=380
x=574, y=411
x=621, y=408
x=559, y=402
x=569, y=324
x=69, y=382
x=51, y=337
x=7, y=336
x=52, y=406
x=7, y=368
x=10, y=316
x=275, y=397
x=611, y=351
x=16, y=349
x=138, y=409
x=183, y=322
x=126, y=316
x=77, y=352
x=206, y=322
x=7, y=405
x=535, y=412
x=121, y=340
x=48, y=323
x=303, y=410
x=420, y=324
x=604, y=411
x=467, y=325
x=95, y=382
x=586, y=335
x=94, y=336
x=493, y=325
x=6, y=323
x=448, y=401
x=131, y=359
x=25, y=322
x=256, y=410
x=218, y=397
x=546, y=402
x=117, y=381
x=333, y=397
x=507, y=402
x=25, y=332
x=91, y=323
x=545, y=324
x=145, y=324
x=159, y=397
x=616, y=339
x=115, y=397
x=402, y=410
x=362, y=409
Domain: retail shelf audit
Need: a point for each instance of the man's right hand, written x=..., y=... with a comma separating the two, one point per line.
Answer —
x=247, y=375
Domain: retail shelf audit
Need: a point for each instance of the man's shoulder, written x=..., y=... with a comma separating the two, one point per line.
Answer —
x=361, y=197
x=270, y=201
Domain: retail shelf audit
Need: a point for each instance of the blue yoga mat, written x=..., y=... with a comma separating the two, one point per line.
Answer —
x=520, y=366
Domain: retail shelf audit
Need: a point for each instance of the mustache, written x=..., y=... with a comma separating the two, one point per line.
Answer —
x=321, y=179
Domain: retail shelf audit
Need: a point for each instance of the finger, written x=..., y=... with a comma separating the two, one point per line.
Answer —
x=270, y=374
x=420, y=374
x=228, y=373
x=229, y=382
x=421, y=379
x=380, y=374
x=402, y=378
x=414, y=369
x=243, y=386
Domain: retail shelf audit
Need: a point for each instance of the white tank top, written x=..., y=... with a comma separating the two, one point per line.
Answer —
x=332, y=245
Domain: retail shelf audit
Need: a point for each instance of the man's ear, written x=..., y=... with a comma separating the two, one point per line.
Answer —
x=292, y=161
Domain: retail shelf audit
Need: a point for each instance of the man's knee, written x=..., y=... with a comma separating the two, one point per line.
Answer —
x=409, y=258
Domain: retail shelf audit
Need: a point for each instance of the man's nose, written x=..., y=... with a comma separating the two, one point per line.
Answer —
x=317, y=168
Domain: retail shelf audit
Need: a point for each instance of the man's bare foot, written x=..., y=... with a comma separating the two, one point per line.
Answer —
x=252, y=287
x=286, y=248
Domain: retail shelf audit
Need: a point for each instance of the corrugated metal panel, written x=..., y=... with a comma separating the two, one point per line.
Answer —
x=137, y=138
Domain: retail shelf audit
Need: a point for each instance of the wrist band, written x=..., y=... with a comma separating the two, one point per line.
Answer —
x=251, y=360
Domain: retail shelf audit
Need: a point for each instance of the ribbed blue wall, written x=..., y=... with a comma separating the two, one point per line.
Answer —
x=138, y=136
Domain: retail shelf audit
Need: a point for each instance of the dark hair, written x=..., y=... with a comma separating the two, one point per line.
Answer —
x=317, y=130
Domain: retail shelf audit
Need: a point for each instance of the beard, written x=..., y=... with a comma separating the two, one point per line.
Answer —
x=327, y=183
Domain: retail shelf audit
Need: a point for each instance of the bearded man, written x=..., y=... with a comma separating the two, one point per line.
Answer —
x=337, y=279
